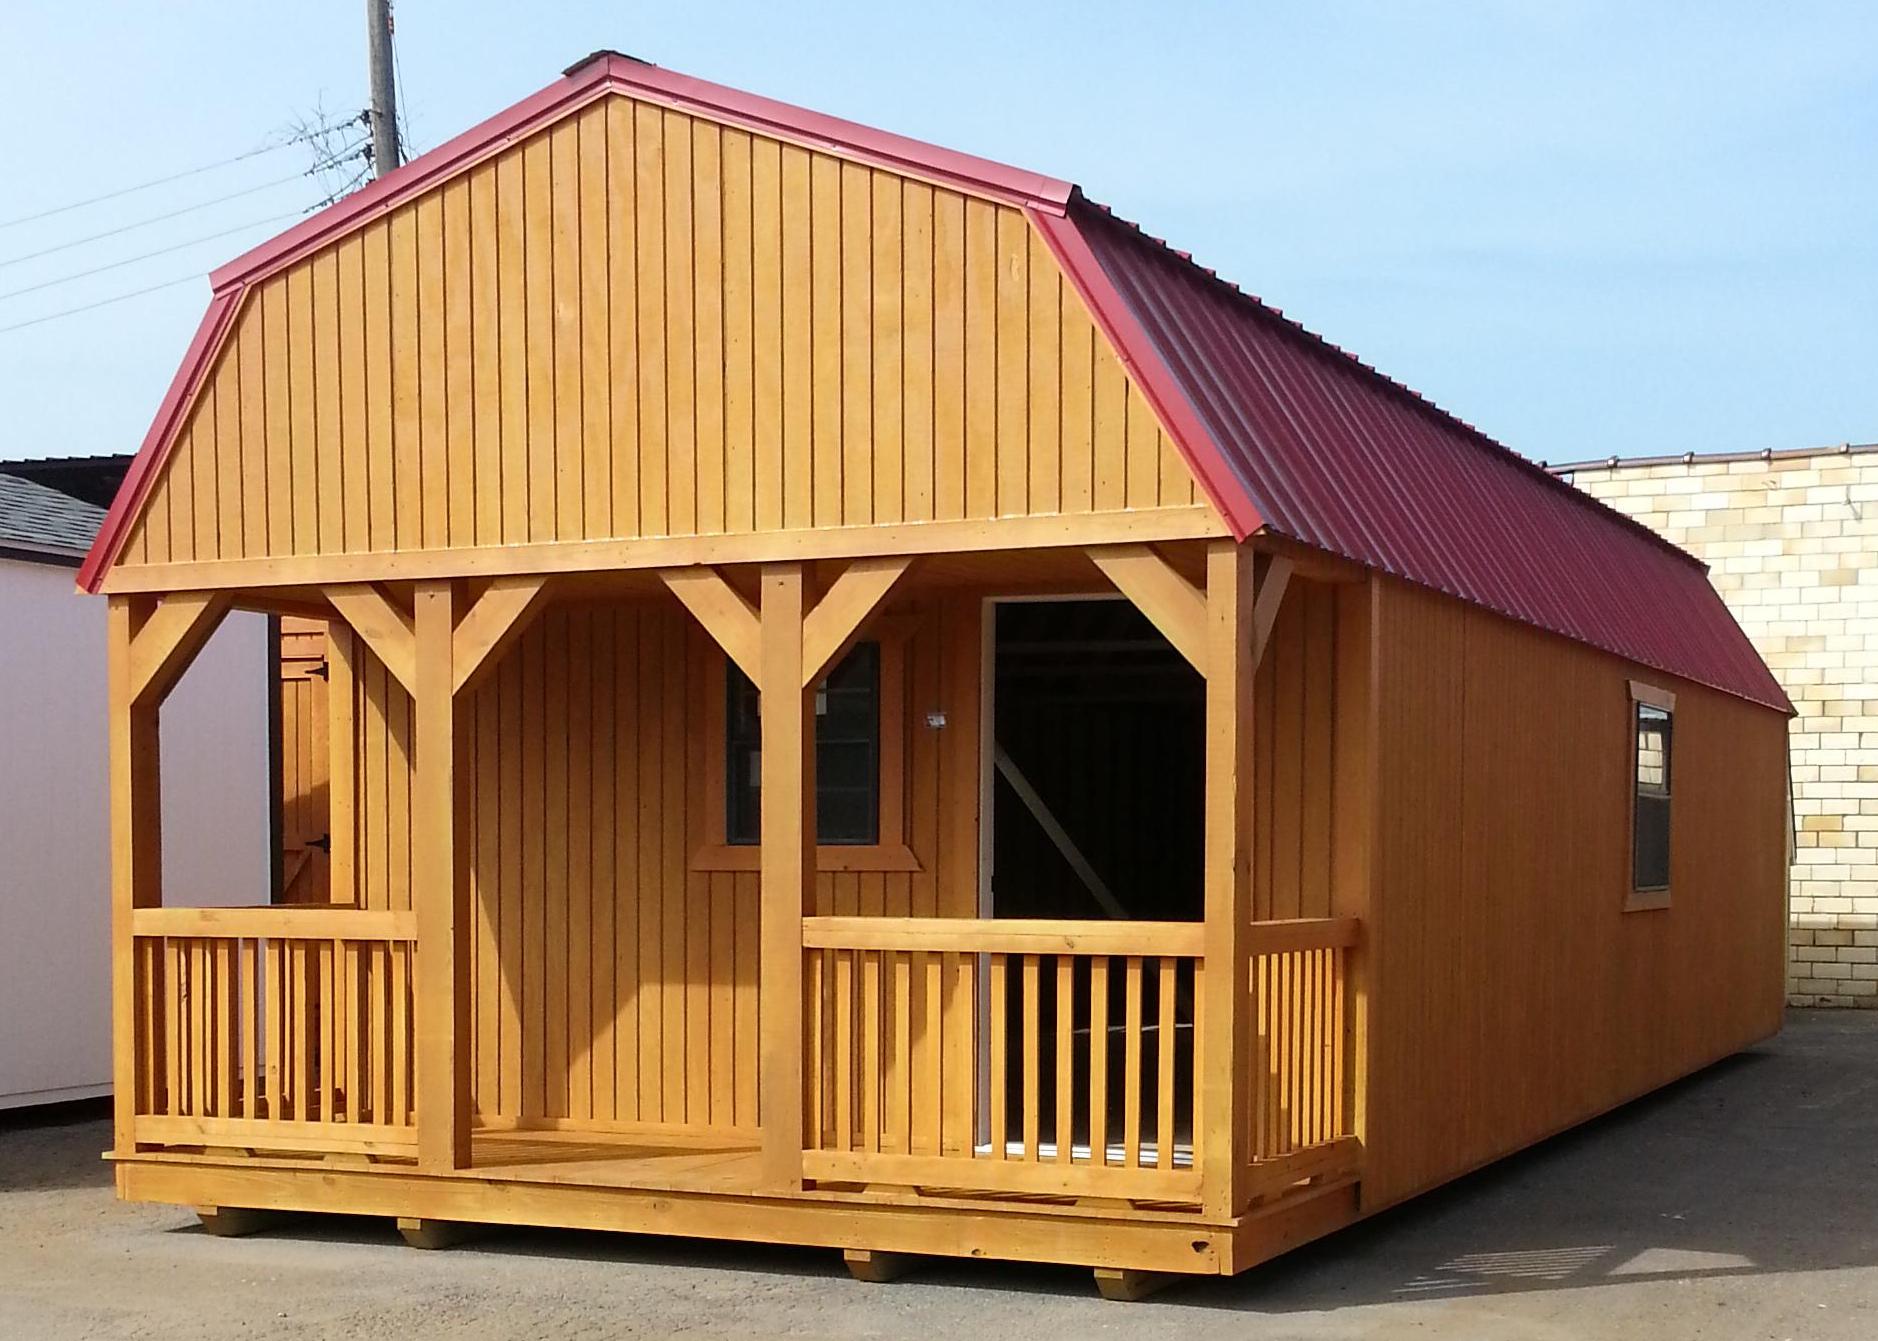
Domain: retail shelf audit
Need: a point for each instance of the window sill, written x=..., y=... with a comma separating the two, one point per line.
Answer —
x=828, y=857
x=1645, y=900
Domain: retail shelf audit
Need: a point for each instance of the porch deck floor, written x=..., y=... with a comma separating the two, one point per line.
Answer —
x=592, y=1160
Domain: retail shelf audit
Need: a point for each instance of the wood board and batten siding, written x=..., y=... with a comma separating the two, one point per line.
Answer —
x=615, y=978
x=1498, y=935
x=641, y=324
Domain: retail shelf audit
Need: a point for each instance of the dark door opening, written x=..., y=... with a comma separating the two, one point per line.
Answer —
x=1097, y=813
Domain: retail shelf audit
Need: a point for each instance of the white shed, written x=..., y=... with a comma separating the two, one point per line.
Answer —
x=55, y=1022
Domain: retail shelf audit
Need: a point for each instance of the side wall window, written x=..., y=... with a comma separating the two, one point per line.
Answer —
x=1652, y=714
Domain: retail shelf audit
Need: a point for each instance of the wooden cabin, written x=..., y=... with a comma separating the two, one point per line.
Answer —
x=1206, y=793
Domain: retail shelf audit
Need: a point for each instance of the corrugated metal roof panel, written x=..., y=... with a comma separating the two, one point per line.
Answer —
x=1323, y=449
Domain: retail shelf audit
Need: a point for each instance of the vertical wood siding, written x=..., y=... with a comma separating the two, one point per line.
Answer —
x=1294, y=795
x=613, y=983
x=1512, y=995
x=637, y=323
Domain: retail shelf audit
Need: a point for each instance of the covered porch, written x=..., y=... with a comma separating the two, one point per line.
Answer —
x=782, y=1023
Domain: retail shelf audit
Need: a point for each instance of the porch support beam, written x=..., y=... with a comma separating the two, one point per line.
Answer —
x=1265, y=610
x=169, y=640
x=836, y=620
x=787, y=819
x=490, y=626
x=1172, y=604
x=731, y=620
x=1224, y=1086
x=440, y=1024
x=136, y=846
x=383, y=627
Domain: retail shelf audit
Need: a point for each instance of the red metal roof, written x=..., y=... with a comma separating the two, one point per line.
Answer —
x=1283, y=430
x=1299, y=438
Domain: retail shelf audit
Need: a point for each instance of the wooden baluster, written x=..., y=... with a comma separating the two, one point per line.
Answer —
x=1320, y=1038
x=1000, y=1070
x=1032, y=1136
x=959, y=1055
x=274, y=968
x=1099, y=1060
x=1131, y=1063
x=1196, y=1054
x=870, y=1050
x=198, y=1027
x=355, y=1033
x=300, y=1013
x=325, y=962
x=1261, y=1105
x=150, y=1026
x=815, y=1060
x=378, y=992
x=250, y=1012
x=1164, y=1059
x=400, y=1050
x=1337, y=1081
x=1065, y=1058
x=1294, y=1048
x=930, y=1109
x=900, y=1004
x=227, y=1042
x=844, y=1050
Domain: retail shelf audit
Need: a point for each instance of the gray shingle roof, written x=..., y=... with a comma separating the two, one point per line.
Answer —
x=35, y=517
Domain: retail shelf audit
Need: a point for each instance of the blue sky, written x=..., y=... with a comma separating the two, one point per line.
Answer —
x=1588, y=228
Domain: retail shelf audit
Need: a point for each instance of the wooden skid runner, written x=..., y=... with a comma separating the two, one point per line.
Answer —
x=875, y=1226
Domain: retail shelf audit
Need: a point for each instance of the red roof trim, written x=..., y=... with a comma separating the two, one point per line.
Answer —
x=147, y=464
x=613, y=73
x=1224, y=489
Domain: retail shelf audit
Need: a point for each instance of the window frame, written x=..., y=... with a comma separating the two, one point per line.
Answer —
x=1646, y=695
x=891, y=852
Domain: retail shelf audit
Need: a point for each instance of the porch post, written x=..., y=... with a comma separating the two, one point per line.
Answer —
x=136, y=856
x=1224, y=1086
x=787, y=865
x=440, y=1024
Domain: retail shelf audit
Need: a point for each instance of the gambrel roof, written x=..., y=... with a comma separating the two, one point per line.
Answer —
x=1284, y=433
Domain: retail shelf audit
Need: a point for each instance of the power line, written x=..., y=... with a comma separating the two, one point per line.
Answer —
x=102, y=302
x=144, y=256
x=172, y=177
x=153, y=219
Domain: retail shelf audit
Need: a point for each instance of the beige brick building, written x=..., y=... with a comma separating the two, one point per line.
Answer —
x=1791, y=540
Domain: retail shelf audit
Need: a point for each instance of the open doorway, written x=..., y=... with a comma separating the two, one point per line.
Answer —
x=1095, y=810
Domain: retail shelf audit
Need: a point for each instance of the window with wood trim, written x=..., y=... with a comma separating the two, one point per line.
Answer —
x=847, y=754
x=1652, y=737
x=860, y=762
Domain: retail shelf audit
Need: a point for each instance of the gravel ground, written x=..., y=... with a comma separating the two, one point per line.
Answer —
x=1741, y=1203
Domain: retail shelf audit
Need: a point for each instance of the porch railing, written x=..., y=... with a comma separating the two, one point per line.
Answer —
x=1298, y=1059
x=278, y=1028
x=1058, y=1058
x=1003, y=1056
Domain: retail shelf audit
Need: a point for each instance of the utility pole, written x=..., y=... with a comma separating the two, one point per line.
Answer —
x=386, y=154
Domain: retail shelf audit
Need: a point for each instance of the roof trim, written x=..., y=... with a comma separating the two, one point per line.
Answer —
x=147, y=464
x=1713, y=458
x=610, y=72
x=1140, y=358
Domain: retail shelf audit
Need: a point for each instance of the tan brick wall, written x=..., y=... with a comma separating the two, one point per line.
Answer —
x=1792, y=545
